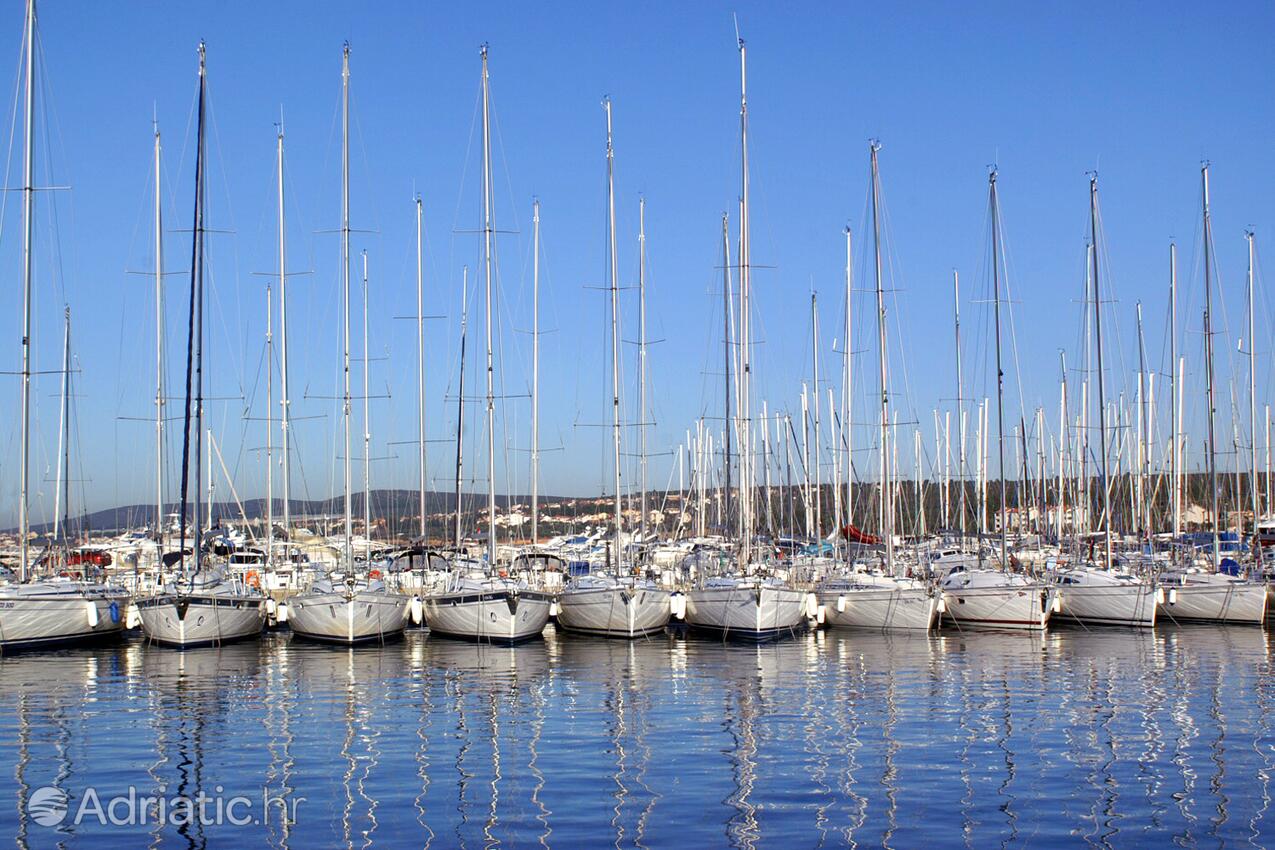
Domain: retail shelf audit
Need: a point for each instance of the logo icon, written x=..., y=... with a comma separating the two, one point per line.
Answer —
x=47, y=806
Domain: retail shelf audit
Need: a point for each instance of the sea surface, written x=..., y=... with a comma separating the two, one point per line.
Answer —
x=835, y=739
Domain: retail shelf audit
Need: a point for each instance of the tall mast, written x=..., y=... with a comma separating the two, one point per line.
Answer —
x=1175, y=493
x=960, y=398
x=62, y=493
x=269, y=427
x=159, y=361
x=814, y=356
x=420, y=363
x=1252, y=389
x=1102, y=396
x=284, y=401
x=886, y=505
x=1144, y=454
x=345, y=293
x=613, y=273
x=642, y=360
x=745, y=297
x=194, y=339
x=28, y=228
x=535, y=372
x=367, y=423
x=1208, y=356
x=1000, y=374
x=727, y=309
x=460, y=397
x=487, y=276
x=847, y=385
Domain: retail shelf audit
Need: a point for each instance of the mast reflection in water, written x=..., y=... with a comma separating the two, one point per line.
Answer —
x=832, y=739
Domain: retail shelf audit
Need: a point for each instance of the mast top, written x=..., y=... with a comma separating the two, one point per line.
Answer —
x=203, y=54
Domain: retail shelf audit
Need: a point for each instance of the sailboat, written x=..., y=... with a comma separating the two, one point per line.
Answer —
x=995, y=597
x=1102, y=594
x=881, y=599
x=351, y=606
x=751, y=603
x=482, y=602
x=200, y=604
x=62, y=609
x=1207, y=594
x=615, y=603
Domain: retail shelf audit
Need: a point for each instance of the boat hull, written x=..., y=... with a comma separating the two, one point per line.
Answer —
x=1017, y=607
x=1131, y=605
x=619, y=612
x=880, y=608
x=747, y=612
x=1228, y=602
x=39, y=621
x=367, y=616
x=200, y=620
x=488, y=616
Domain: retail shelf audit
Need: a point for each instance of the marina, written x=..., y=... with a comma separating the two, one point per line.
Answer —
x=429, y=535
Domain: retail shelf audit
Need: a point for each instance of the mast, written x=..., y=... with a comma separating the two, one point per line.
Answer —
x=1175, y=492
x=159, y=363
x=886, y=506
x=345, y=293
x=1102, y=396
x=1252, y=389
x=1000, y=373
x=613, y=273
x=284, y=401
x=460, y=397
x=642, y=360
x=1144, y=452
x=960, y=399
x=62, y=493
x=367, y=425
x=726, y=352
x=269, y=427
x=1208, y=356
x=420, y=364
x=194, y=341
x=847, y=385
x=487, y=276
x=28, y=232
x=535, y=372
x=814, y=352
x=745, y=296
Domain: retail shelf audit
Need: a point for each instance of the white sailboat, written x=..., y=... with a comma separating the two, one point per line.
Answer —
x=617, y=603
x=751, y=604
x=60, y=610
x=351, y=606
x=1207, y=595
x=1101, y=594
x=882, y=600
x=997, y=598
x=199, y=604
x=481, y=602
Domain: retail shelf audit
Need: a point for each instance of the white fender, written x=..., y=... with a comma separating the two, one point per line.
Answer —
x=90, y=610
x=1057, y=603
x=812, y=605
x=1159, y=595
x=942, y=605
x=1173, y=595
x=821, y=616
x=418, y=610
x=133, y=618
x=554, y=608
x=281, y=612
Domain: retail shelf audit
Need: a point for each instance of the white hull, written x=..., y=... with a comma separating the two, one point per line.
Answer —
x=208, y=619
x=881, y=608
x=31, y=619
x=746, y=611
x=1026, y=606
x=1222, y=602
x=498, y=616
x=1109, y=605
x=623, y=612
x=369, y=615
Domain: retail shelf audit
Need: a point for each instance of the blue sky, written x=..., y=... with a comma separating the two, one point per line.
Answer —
x=1047, y=92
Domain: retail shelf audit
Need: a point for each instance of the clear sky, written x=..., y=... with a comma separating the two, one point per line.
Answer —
x=1047, y=91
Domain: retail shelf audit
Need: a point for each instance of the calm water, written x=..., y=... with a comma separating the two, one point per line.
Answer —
x=1077, y=738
